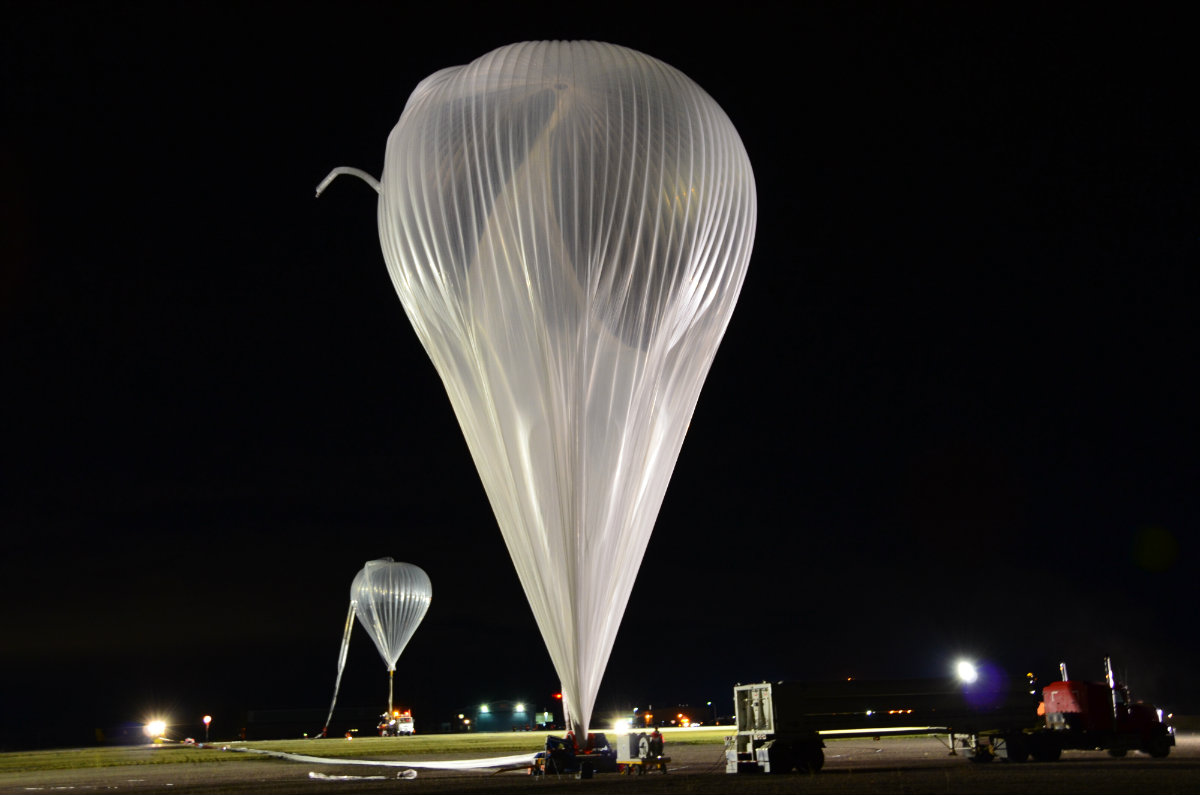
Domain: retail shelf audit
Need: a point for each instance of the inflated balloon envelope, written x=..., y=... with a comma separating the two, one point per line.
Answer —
x=568, y=226
x=389, y=598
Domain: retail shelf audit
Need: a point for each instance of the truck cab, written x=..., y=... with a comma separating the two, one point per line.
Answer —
x=1100, y=716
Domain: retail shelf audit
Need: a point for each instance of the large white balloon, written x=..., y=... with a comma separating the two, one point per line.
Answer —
x=568, y=226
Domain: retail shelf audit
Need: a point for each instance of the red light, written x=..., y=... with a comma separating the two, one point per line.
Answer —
x=558, y=696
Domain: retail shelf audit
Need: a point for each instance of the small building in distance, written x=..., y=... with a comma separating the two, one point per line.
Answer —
x=505, y=715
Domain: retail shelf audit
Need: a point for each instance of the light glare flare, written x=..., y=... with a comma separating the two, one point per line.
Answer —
x=967, y=671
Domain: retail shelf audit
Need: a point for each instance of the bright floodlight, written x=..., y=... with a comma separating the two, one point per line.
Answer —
x=155, y=728
x=967, y=672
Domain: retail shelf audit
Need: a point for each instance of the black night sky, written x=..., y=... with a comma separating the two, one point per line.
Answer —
x=955, y=412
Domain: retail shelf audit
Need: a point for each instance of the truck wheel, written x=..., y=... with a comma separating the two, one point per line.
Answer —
x=782, y=759
x=810, y=759
x=1158, y=746
x=1044, y=749
x=1018, y=747
x=983, y=753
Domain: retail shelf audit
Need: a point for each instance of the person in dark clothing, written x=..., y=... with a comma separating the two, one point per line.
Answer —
x=656, y=743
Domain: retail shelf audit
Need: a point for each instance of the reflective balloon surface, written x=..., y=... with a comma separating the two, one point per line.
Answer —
x=390, y=599
x=568, y=226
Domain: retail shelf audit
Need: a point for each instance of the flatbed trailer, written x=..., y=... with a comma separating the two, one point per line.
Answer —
x=782, y=726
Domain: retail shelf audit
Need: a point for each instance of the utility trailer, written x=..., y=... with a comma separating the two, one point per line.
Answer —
x=782, y=726
x=640, y=753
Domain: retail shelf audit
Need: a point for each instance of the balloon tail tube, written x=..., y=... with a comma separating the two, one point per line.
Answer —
x=341, y=665
x=357, y=172
x=390, y=672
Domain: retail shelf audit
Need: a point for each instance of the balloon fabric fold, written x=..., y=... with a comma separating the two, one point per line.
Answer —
x=568, y=226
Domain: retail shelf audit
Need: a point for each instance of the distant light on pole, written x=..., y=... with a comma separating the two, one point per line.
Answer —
x=967, y=671
x=207, y=720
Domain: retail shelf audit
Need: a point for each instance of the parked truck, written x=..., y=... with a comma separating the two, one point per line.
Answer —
x=1098, y=716
x=396, y=723
x=783, y=726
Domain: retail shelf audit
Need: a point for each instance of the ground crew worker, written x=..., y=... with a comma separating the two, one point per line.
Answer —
x=656, y=743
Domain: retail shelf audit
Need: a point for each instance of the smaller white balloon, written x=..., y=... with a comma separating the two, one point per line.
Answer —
x=390, y=599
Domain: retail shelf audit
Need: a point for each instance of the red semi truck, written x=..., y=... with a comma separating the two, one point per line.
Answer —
x=1097, y=716
x=782, y=726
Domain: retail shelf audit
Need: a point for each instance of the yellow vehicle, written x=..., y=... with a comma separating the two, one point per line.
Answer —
x=641, y=752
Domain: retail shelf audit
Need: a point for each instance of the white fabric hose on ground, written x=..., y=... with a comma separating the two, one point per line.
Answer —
x=409, y=774
x=516, y=760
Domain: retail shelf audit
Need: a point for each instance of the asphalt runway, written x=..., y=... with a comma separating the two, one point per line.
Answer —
x=909, y=765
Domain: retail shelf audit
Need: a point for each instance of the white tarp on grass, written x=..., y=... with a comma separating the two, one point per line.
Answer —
x=495, y=762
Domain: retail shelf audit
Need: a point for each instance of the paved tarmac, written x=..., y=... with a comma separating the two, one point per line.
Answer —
x=910, y=765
